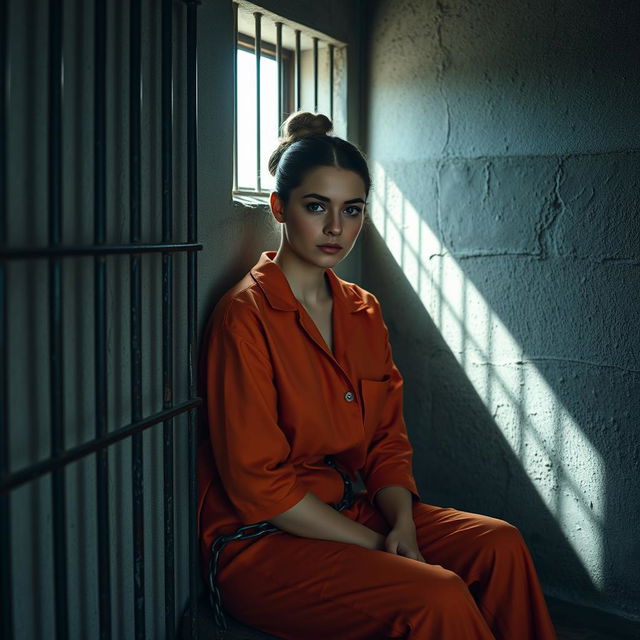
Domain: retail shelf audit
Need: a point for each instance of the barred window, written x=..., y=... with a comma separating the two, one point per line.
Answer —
x=280, y=67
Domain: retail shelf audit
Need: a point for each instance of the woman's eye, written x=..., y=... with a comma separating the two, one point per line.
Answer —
x=317, y=207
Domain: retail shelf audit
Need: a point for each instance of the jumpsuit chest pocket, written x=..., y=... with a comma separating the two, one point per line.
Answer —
x=374, y=394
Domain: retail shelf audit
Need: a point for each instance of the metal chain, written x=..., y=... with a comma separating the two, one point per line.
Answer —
x=254, y=531
x=347, y=496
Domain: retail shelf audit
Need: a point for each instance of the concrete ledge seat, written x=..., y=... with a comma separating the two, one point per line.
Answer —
x=207, y=626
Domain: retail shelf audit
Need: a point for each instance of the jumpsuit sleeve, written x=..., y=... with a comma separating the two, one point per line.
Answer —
x=389, y=454
x=250, y=450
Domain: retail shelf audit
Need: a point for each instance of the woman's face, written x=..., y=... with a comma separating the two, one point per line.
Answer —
x=327, y=208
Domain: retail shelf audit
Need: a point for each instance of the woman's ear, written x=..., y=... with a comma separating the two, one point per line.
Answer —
x=277, y=207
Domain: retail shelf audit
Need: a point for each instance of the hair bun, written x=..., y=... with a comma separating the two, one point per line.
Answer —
x=299, y=124
x=303, y=123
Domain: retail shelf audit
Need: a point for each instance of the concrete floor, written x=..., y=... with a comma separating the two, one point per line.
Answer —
x=565, y=633
x=571, y=622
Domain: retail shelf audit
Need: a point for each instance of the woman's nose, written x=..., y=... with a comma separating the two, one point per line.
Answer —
x=334, y=224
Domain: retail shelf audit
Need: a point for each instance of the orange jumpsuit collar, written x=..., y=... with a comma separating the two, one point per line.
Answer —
x=271, y=279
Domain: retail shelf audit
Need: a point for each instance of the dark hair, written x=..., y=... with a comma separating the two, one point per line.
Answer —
x=305, y=145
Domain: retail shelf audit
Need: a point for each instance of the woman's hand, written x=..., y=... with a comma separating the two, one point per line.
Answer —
x=402, y=541
x=396, y=504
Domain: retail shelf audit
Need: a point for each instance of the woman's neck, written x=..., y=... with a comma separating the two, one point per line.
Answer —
x=308, y=282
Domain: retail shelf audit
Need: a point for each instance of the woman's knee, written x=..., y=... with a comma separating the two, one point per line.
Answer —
x=503, y=538
x=451, y=590
x=438, y=589
x=506, y=532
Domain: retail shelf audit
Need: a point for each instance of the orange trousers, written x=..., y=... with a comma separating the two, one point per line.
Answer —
x=479, y=583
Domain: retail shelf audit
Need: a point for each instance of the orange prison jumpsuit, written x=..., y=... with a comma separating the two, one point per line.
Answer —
x=278, y=401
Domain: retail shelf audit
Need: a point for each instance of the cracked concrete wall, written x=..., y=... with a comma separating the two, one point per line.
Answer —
x=505, y=144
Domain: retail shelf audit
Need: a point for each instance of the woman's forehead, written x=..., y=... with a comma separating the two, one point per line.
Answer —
x=333, y=182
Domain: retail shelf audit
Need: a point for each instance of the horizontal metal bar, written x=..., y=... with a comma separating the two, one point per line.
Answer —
x=96, y=250
x=38, y=469
x=247, y=43
x=250, y=192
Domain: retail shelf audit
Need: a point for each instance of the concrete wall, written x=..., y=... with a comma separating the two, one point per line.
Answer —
x=505, y=141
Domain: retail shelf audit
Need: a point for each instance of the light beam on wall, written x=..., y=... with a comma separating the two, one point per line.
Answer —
x=561, y=463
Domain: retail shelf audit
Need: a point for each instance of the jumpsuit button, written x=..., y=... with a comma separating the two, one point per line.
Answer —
x=348, y=396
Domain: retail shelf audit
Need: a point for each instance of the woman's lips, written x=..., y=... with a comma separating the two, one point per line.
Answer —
x=329, y=249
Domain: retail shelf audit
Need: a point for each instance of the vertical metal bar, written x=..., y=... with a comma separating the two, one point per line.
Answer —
x=6, y=600
x=280, y=73
x=315, y=75
x=192, y=274
x=258, y=17
x=55, y=314
x=167, y=315
x=135, y=99
x=331, y=63
x=100, y=319
x=235, y=96
x=298, y=71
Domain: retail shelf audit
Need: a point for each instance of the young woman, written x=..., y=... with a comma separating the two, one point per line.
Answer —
x=302, y=394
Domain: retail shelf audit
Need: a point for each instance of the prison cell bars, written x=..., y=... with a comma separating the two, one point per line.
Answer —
x=298, y=71
x=55, y=316
x=60, y=456
x=280, y=74
x=315, y=75
x=137, y=471
x=258, y=43
x=280, y=88
x=6, y=601
x=331, y=63
x=100, y=319
x=192, y=234
x=235, y=96
x=166, y=89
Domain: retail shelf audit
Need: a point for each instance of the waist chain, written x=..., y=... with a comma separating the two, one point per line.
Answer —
x=254, y=531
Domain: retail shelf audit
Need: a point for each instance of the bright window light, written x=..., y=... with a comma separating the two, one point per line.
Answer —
x=246, y=101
